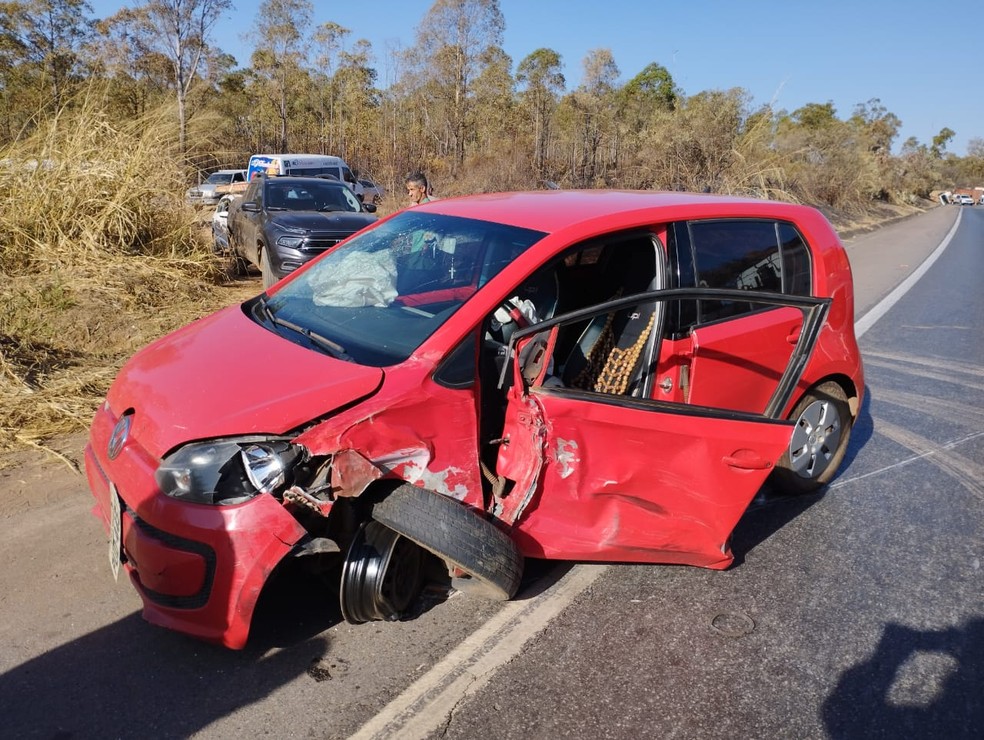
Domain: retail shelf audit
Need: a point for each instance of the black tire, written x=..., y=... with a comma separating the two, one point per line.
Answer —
x=819, y=441
x=266, y=269
x=457, y=534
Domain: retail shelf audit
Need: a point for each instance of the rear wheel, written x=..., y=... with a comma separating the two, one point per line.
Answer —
x=819, y=441
x=485, y=560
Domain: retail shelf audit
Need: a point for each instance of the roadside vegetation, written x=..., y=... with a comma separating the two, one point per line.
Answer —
x=105, y=122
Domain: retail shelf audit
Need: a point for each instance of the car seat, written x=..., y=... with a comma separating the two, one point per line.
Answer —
x=611, y=353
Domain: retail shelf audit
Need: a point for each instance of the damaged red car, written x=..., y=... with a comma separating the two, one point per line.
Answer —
x=578, y=375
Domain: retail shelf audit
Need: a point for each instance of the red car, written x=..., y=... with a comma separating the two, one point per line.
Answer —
x=603, y=376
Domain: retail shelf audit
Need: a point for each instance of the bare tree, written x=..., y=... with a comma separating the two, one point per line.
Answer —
x=452, y=38
x=328, y=39
x=542, y=85
x=179, y=30
x=50, y=33
x=280, y=55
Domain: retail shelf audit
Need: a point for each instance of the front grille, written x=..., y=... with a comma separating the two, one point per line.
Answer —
x=320, y=244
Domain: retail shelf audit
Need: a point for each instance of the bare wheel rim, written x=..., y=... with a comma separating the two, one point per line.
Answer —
x=381, y=575
x=815, y=439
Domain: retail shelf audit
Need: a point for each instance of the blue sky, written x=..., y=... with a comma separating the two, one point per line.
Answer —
x=920, y=65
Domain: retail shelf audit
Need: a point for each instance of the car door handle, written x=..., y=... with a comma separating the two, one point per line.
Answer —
x=794, y=335
x=747, y=460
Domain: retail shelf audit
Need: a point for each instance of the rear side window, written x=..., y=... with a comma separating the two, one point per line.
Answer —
x=796, y=269
x=747, y=255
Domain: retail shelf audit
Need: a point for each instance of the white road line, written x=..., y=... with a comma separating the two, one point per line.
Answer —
x=927, y=451
x=882, y=307
x=430, y=701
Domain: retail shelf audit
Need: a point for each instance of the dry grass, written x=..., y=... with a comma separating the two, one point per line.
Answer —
x=98, y=256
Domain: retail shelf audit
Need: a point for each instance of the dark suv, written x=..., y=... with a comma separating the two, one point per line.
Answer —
x=283, y=222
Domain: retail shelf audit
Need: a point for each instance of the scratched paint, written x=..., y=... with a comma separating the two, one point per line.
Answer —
x=436, y=480
x=565, y=454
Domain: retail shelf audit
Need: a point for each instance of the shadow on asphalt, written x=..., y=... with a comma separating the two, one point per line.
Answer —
x=916, y=684
x=131, y=680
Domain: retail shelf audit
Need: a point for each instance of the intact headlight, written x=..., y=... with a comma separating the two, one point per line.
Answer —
x=227, y=471
x=292, y=242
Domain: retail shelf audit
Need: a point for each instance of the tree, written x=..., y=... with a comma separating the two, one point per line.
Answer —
x=815, y=116
x=178, y=30
x=279, y=57
x=49, y=34
x=492, y=114
x=358, y=102
x=594, y=108
x=328, y=41
x=940, y=141
x=877, y=126
x=542, y=84
x=652, y=88
x=452, y=38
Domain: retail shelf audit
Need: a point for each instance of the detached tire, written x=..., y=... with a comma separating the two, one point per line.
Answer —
x=457, y=534
x=819, y=441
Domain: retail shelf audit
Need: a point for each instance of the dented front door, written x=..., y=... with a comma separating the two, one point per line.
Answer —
x=609, y=477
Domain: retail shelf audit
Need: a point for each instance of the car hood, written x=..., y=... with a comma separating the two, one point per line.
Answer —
x=315, y=221
x=226, y=375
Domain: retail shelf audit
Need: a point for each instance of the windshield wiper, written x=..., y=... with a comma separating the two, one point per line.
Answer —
x=333, y=348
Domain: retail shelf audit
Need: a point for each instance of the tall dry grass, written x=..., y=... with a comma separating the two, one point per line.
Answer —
x=98, y=256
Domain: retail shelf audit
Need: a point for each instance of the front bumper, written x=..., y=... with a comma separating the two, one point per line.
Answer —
x=199, y=569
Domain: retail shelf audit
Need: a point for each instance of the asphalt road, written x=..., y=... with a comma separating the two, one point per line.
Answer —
x=857, y=612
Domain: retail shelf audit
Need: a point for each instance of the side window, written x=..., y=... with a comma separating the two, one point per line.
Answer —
x=680, y=315
x=253, y=191
x=797, y=271
x=457, y=370
x=742, y=255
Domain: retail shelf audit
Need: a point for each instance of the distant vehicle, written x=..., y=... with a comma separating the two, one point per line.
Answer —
x=964, y=200
x=304, y=165
x=208, y=193
x=283, y=222
x=220, y=225
x=372, y=193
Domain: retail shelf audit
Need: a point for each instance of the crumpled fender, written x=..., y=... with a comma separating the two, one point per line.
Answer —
x=420, y=432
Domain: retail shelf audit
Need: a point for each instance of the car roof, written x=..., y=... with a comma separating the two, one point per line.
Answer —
x=301, y=179
x=551, y=211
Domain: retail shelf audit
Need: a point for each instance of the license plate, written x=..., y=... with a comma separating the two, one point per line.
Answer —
x=115, y=532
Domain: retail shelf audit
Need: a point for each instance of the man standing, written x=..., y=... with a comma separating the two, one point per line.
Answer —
x=417, y=189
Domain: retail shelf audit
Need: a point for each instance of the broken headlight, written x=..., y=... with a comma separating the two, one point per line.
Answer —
x=228, y=471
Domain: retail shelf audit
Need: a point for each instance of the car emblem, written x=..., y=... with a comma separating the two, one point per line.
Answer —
x=120, y=433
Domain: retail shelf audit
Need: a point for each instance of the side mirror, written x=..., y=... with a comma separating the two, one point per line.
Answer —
x=250, y=206
x=369, y=207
